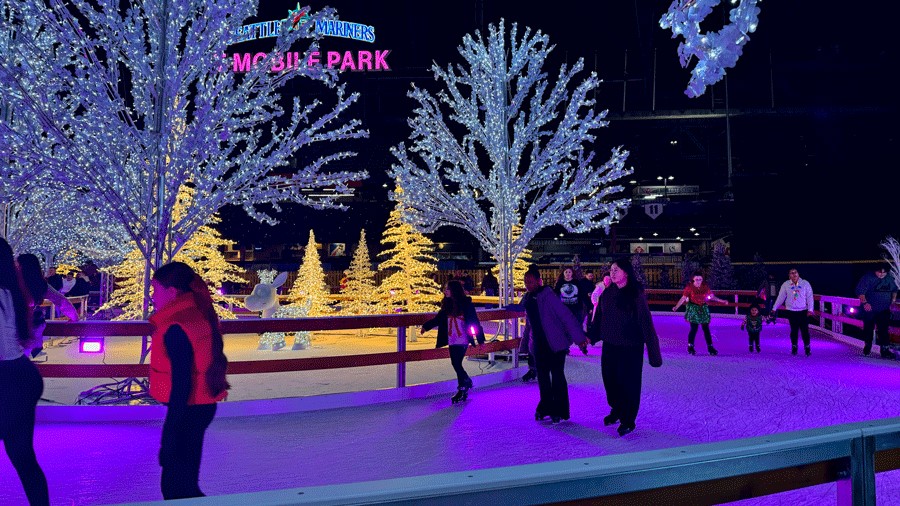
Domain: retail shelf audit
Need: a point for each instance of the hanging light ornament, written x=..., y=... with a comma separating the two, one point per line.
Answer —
x=715, y=51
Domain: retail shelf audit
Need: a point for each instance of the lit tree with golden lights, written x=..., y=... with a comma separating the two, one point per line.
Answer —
x=360, y=294
x=310, y=289
x=411, y=262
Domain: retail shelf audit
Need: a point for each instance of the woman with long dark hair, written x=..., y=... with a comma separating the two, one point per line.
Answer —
x=458, y=326
x=187, y=373
x=21, y=384
x=626, y=327
x=38, y=289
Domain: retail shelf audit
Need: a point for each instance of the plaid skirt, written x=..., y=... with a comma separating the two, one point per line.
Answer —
x=697, y=313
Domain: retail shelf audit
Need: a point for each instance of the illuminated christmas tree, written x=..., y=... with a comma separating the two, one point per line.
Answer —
x=411, y=261
x=721, y=272
x=503, y=146
x=360, y=294
x=310, y=288
x=201, y=252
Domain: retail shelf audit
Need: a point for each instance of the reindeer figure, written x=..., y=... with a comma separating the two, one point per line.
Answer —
x=264, y=298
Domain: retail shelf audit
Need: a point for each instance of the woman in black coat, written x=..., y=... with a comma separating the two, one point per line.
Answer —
x=458, y=327
x=625, y=326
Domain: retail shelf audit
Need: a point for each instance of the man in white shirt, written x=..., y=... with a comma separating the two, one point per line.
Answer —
x=797, y=296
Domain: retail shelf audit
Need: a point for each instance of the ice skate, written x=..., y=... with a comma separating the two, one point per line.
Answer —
x=712, y=351
x=691, y=349
x=461, y=395
x=530, y=375
x=794, y=349
x=808, y=351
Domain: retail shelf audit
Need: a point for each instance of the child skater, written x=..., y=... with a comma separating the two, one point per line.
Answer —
x=753, y=323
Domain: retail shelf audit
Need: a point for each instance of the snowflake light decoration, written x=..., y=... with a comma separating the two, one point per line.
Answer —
x=715, y=51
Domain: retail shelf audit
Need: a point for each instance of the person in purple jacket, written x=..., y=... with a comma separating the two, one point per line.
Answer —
x=626, y=326
x=550, y=330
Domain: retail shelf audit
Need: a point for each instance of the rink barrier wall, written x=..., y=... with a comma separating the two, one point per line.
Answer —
x=830, y=313
x=712, y=473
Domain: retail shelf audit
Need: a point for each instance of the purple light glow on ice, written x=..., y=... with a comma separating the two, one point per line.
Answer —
x=690, y=400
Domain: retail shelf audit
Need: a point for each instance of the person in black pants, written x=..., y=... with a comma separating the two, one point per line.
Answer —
x=550, y=330
x=187, y=373
x=877, y=291
x=458, y=326
x=21, y=384
x=626, y=327
x=797, y=296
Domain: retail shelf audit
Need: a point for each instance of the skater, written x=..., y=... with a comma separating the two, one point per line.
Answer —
x=550, y=330
x=877, y=291
x=21, y=384
x=38, y=289
x=697, y=295
x=187, y=373
x=458, y=326
x=797, y=296
x=593, y=326
x=573, y=292
x=626, y=326
x=753, y=322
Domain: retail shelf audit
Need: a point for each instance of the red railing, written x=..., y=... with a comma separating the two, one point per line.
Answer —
x=259, y=326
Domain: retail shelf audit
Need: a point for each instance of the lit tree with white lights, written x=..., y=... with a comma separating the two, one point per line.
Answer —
x=59, y=224
x=202, y=252
x=892, y=247
x=129, y=104
x=520, y=265
x=538, y=171
x=310, y=289
x=411, y=261
x=362, y=297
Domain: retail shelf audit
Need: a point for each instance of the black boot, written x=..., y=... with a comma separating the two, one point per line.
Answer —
x=461, y=395
x=530, y=375
x=625, y=428
x=712, y=351
x=691, y=349
x=610, y=419
x=757, y=348
x=793, y=349
x=867, y=348
x=751, y=348
x=808, y=351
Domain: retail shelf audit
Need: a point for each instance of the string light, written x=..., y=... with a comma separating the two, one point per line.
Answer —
x=538, y=171
x=310, y=289
x=411, y=260
x=715, y=51
x=363, y=298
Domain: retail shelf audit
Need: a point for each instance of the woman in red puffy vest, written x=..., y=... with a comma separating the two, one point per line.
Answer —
x=187, y=373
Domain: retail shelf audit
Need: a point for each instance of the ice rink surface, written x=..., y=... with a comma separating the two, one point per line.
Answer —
x=690, y=400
